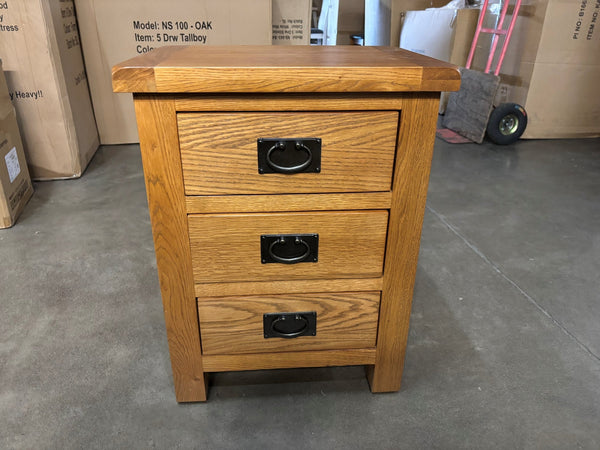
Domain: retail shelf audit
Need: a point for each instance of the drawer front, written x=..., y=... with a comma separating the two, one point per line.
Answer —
x=227, y=247
x=236, y=324
x=219, y=151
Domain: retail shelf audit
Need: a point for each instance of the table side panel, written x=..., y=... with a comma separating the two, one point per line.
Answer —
x=409, y=192
x=166, y=202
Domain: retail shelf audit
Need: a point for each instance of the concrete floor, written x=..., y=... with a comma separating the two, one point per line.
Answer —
x=504, y=346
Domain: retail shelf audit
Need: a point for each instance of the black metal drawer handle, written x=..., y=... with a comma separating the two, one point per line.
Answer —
x=291, y=334
x=294, y=259
x=289, y=248
x=280, y=146
x=290, y=325
x=288, y=156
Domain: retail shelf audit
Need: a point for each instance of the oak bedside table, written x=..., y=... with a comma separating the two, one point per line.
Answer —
x=286, y=188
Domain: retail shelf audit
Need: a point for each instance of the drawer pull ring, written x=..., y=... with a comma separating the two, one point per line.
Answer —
x=289, y=248
x=280, y=146
x=290, y=325
x=291, y=334
x=293, y=259
x=288, y=155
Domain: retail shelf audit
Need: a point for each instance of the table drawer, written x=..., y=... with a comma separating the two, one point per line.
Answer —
x=230, y=247
x=236, y=324
x=219, y=151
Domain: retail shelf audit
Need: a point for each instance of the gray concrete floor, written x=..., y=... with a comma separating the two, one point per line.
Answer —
x=504, y=345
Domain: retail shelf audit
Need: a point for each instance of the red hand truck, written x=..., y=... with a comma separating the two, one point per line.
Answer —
x=495, y=32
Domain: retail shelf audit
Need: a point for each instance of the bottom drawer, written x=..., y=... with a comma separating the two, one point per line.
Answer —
x=237, y=324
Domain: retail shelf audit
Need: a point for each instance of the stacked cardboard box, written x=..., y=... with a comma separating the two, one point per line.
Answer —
x=444, y=34
x=291, y=22
x=15, y=184
x=552, y=67
x=114, y=30
x=441, y=33
x=39, y=44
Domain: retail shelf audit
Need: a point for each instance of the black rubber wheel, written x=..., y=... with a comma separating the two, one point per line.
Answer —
x=507, y=123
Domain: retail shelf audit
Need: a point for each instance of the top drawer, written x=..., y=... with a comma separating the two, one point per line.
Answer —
x=219, y=151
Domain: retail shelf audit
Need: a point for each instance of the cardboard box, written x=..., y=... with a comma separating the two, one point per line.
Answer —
x=462, y=38
x=552, y=67
x=115, y=30
x=399, y=7
x=444, y=34
x=15, y=184
x=39, y=44
x=291, y=22
x=429, y=32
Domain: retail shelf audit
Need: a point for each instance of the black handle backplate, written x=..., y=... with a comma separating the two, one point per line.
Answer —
x=289, y=156
x=290, y=325
x=289, y=248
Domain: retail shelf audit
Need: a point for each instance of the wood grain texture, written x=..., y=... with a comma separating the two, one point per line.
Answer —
x=243, y=69
x=262, y=361
x=164, y=186
x=409, y=192
x=226, y=247
x=209, y=246
x=289, y=102
x=289, y=202
x=219, y=151
x=235, y=324
x=288, y=286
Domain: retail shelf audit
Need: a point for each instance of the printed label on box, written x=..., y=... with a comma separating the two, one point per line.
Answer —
x=12, y=164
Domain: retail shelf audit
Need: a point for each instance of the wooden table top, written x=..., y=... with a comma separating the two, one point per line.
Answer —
x=254, y=69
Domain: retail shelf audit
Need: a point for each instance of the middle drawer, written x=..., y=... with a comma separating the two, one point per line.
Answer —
x=230, y=247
